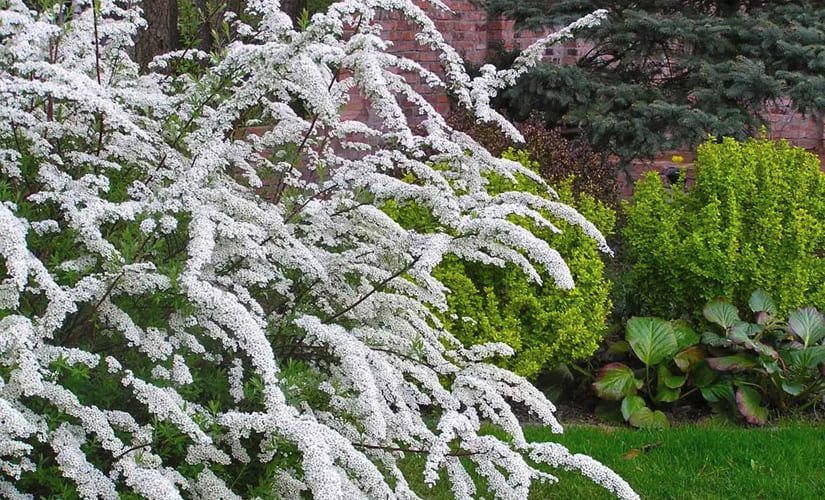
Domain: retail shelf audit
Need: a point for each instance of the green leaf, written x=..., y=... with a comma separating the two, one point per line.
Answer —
x=719, y=391
x=712, y=339
x=689, y=357
x=616, y=381
x=793, y=388
x=652, y=339
x=807, y=324
x=760, y=301
x=702, y=374
x=742, y=332
x=722, y=313
x=669, y=380
x=645, y=418
x=737, y=362
x=619, y=347
x=666, y=395
x=807, y=358
x=686, y=336
x=747, y=400
x=630, y=404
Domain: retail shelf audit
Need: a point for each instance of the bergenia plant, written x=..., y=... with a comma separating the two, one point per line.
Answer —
x=771, y=363
x=191, y=311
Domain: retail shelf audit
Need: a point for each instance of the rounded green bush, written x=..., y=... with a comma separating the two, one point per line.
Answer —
x=755, y=218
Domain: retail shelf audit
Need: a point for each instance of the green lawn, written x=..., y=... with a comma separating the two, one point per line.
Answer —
x=702, y=462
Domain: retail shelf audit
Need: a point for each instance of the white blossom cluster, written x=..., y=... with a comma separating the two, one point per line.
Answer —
x=150, y=252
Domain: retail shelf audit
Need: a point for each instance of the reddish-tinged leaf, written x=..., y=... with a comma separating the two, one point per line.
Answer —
x=747, y=400
x=737, y=362
x=616, y=381
x=689, y=357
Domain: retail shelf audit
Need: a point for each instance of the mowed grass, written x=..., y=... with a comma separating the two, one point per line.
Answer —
x=701, y=461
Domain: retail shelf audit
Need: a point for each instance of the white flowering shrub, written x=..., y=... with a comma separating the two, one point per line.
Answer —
x=188, y=312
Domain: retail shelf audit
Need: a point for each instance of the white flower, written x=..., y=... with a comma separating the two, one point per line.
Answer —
x=266, y=310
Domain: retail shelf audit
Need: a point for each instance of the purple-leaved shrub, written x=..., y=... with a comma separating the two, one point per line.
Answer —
x=168, y=331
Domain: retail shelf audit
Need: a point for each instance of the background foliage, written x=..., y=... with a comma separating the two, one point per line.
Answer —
x=557, y=158
x=663, y=74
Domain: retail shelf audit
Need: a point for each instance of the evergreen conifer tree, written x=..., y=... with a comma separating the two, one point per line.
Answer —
x=663, y=74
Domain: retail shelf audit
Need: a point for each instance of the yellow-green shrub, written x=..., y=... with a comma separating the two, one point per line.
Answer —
x=755, y=218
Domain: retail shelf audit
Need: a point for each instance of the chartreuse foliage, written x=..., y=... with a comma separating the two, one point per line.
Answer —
x=755, y=218
x=544, y=325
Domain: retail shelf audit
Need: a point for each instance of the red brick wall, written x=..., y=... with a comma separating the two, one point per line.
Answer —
x=474, y=36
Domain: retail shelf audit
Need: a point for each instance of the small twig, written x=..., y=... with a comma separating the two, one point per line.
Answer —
x=412, y=450
x=129, y=450
x=375, y=289
x=109, y=289
x=281, y=186
x=95, y=21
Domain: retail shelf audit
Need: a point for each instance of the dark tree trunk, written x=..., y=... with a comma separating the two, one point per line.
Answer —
x=205, y=28
x=162, y=33
x=293, y=7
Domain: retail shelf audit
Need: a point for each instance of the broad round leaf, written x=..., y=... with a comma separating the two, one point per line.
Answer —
x=747, y=400
x=616, y=381
x=760, y=301
x=689, y=357
x=702, y=375
x=718, y=391
x=645, y=418
x=712, y=339
x=793, y=388
x=686, y=336
x=666, y=395
x=669, y=380
x=652, y=339
x=807, y=358
x=807, y=324
x=630, y=404
x=742, y=332
x=722, y=313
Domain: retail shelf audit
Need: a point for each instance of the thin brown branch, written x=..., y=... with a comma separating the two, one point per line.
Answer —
x=106, y=294
x=379, y=287
x=412, y=450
